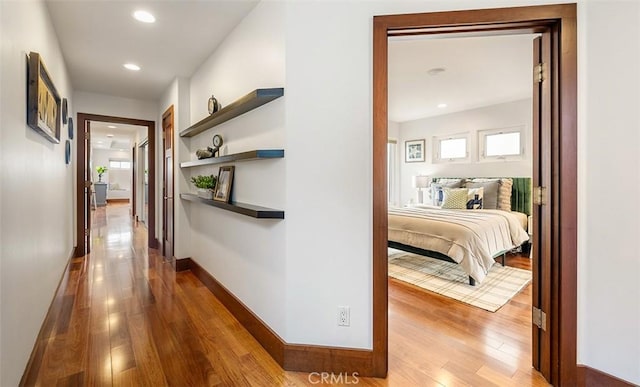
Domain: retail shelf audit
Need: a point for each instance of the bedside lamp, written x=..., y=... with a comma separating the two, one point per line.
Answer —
x=420, y=182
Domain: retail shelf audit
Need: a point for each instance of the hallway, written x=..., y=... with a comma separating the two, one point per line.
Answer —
x=128, y=319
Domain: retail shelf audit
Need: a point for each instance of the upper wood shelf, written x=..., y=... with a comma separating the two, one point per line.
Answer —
x=250, y=155
x=247, y=103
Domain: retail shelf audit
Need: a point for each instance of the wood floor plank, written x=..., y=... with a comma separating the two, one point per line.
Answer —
x=127, y=318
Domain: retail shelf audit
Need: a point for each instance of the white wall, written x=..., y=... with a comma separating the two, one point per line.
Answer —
x=609, y=185
x=120, y=176
x=37, y=189
x=246, y=255
x=516, y=113
x=329, y=104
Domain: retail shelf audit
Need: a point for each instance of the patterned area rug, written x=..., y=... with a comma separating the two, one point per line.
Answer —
x=448, y=279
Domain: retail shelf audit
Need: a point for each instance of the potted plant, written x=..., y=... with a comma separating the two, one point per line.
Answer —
x=205, y=185
x=101, y=170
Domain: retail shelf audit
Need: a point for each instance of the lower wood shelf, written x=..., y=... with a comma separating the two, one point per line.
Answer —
x=240, y=208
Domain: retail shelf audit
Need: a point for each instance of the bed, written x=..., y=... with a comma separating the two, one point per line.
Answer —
x=472, y=238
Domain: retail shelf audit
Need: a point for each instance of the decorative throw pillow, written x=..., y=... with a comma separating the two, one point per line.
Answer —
x=474, y=198
x=435, y=193
x=490, y=192
x=504, y=192
x=455, y=198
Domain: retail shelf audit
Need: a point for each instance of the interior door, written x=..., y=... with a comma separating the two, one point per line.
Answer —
x=134, y=186
x=167, y=184
x=542, y=253
x=88, y=186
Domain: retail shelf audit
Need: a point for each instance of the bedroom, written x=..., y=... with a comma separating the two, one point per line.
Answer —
x=466, y=103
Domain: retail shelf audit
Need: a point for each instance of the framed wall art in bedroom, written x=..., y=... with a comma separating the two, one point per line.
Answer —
x=414, y=151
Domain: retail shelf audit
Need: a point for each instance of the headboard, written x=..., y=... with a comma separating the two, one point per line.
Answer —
x=520, y=192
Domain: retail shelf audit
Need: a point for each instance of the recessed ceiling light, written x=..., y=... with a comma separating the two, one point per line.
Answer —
x=131, y=66
x=144, y=16
x=442, y=105
x=109, y=135
x=99, y=142
x=111, y=126
x=436, y=71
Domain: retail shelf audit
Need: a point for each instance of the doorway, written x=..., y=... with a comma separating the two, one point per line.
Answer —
x=555, y=356
x=84, y=178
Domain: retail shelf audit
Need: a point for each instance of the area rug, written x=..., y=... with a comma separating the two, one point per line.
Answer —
x=448, y=279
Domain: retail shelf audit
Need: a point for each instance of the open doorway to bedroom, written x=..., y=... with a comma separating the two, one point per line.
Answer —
x=461, y=122
x=553, y=340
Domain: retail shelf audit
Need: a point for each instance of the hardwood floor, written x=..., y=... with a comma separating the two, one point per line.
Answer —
x=128, y=319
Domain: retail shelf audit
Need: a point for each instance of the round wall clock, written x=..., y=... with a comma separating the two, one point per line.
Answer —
x=217, y=141
x=213, y=105
x=70, y=128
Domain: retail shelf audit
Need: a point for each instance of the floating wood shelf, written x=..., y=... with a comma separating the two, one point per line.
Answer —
x=247, y=103
x=244, y=156
x=240, y=208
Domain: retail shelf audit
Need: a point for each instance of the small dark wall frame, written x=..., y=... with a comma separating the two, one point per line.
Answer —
x=67, y=152
x=224, y=184
x=70, y=128
x=43, y=101
x=64, y=111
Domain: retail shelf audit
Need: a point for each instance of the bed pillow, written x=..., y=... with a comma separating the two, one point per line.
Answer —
x=455, y=198
x=490, y=192
x=474, y=198
x=435, y=192
x=505, y=186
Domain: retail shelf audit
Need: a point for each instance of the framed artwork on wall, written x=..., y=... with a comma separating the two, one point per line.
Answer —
x=43, y=101
x=223, y=184
x=414, y=151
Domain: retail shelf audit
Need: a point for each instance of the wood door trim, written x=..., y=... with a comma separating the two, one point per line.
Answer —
x=168, y=113
x=561, y=19
x=82, y=119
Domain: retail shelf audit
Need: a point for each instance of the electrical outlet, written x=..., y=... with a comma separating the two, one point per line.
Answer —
x=344, y=316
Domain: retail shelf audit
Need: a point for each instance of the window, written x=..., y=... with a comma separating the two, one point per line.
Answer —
x=451, y=148
x=392, y=171
x=119, y=164
x=501, y=144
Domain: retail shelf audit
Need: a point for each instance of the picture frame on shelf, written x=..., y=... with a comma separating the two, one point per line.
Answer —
x=43, y=101
x=224, y=184
x=414, y=151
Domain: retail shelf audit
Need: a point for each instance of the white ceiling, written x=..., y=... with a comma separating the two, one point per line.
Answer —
x=479, y=71
x=98, y=37
x=121, y=137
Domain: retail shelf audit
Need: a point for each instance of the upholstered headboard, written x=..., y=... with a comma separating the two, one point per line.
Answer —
x=521, y=195
x=520, y=192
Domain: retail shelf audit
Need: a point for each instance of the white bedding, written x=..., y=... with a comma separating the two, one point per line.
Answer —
x=472, y=238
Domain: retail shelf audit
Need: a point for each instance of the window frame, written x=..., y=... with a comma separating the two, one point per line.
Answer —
x=482, y=143
x=120, y=161
x=437, y=146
